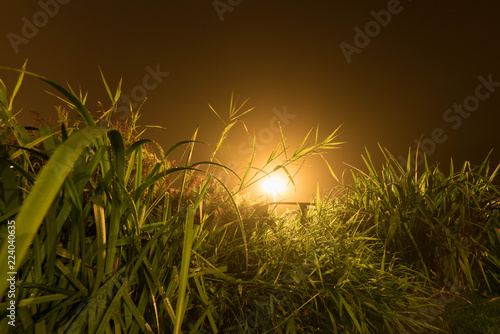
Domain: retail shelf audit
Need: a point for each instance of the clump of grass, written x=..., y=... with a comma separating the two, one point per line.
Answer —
x=84, y=227
x=315, y=278
x=100, y=244
x=444, y=225
x=104, y=244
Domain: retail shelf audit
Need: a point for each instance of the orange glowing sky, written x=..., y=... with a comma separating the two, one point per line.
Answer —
x=287, y=58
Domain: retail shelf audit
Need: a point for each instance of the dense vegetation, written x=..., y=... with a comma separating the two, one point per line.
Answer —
x=113, y=236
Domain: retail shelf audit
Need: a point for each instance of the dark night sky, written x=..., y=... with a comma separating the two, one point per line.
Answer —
x=282, y=55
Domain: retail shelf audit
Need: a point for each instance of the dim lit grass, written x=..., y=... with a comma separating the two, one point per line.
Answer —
x=105, y=245
x=446, y=225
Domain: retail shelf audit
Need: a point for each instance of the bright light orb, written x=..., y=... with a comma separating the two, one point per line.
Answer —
x=273, y=186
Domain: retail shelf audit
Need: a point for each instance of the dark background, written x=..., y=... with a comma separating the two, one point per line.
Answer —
x=281, y=55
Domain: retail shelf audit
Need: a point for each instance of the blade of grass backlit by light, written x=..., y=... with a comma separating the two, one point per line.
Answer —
x=240, y=221
x=249, y=165
x=18, y=84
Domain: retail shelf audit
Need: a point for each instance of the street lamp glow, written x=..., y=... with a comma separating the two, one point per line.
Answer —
x=273, y=186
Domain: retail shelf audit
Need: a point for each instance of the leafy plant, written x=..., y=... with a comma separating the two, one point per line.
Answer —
x=446, y=226
x=99, y=243
x=112, y=235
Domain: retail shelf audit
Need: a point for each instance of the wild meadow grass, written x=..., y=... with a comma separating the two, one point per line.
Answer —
x=113, y=236
x=444, y=224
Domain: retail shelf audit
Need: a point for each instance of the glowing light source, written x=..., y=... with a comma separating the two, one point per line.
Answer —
x=273, y=186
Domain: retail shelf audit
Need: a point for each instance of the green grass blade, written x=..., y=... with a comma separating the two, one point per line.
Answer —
x=100, y=223
x=113, y=231
x=18, y=84
x=3, y=100
x=184, y=271
x=106, y=85
x=118, y=154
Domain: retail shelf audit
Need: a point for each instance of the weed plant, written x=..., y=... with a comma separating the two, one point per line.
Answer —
x=114, y=236
x=446, y=226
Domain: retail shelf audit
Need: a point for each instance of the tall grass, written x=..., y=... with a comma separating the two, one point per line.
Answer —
x=104, y=244
x=99, y=243
x=320, y=278
x=446, y=225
